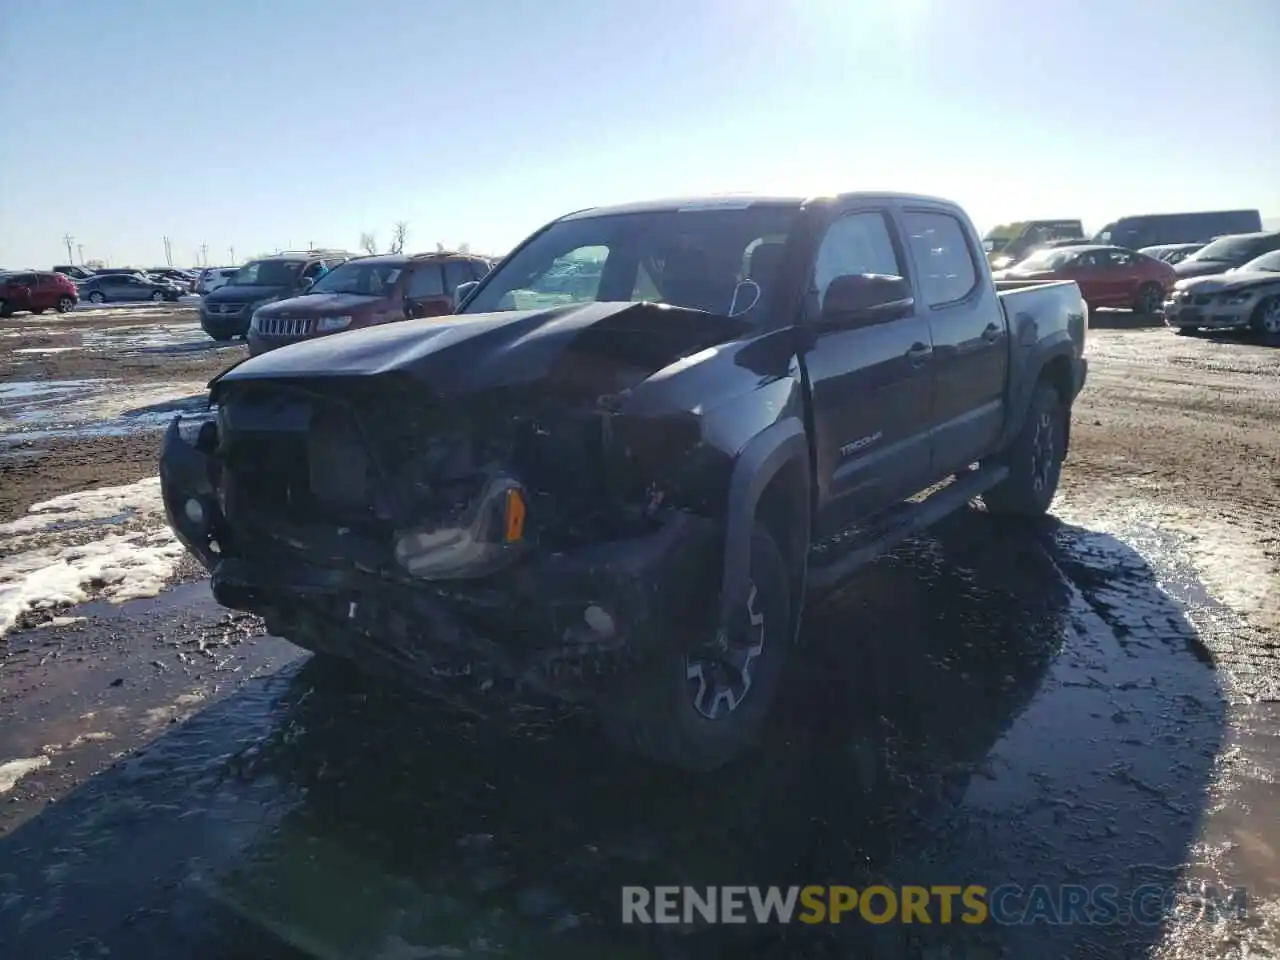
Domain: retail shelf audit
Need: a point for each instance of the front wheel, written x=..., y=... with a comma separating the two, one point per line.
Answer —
x=1149, y=299
x=97, y=297
x=66, y=304
x=700, y=709
x=1266, y=317
x=1034, y=458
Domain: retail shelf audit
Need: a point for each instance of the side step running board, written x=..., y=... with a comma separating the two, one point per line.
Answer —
x=909, y=519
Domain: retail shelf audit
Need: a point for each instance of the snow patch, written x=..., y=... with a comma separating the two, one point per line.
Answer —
x=39, y=568
x=1230, y=564
x=14, y=770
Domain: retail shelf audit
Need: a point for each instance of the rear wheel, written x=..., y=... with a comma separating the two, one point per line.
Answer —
x=66, y=304
x=1034, y=458
x=1266, y=317
x=97, y=296
x=701, y=709
x=157, y=296
x=1149, y=299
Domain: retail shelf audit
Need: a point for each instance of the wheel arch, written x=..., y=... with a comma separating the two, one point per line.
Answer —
x=770, y=484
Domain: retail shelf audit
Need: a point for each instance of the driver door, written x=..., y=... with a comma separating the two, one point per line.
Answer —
x=872, y=386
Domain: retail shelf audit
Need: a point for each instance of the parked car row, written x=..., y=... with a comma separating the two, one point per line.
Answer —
x=289, y=297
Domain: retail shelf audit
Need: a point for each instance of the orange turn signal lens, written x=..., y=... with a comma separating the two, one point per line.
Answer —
x=515, y=516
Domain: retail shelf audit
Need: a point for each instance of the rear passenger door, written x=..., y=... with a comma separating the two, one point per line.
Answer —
x=425, y=294
x=870, y=384
x=969, y=334
x=456, y=272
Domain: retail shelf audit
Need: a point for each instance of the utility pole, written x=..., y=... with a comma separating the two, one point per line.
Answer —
x=232, y=251
x=68, y=239
x=80, y=250
x=168, y=252
x=204, y=254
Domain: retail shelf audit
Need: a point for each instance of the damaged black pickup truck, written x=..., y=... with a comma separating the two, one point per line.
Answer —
x=615, y=473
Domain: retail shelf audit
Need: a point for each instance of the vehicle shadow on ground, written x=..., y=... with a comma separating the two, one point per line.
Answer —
x=954, y=717
x=1105, y=319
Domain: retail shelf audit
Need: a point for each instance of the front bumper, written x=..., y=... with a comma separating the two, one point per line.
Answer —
x=221, y=325
x=1209, y=313
x=536, y=622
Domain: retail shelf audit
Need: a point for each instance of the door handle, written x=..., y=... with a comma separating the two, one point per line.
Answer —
x=919, y=353
x=991, y=332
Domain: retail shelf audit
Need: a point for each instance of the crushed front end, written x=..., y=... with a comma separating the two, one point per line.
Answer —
x=504, y=536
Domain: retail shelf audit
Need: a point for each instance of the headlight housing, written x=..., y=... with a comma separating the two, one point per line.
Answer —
x=333, y=324
x=487, y=535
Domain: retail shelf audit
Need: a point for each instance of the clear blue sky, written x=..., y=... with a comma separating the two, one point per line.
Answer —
x=272, y=122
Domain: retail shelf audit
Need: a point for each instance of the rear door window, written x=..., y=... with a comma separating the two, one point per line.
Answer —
x=456, y=272
x=941, y=251
x=425, y=282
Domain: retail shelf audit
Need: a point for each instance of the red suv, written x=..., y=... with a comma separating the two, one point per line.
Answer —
x=37, y=292
x=363, y=292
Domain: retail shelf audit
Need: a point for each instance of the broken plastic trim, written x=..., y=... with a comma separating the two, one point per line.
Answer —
x=488, y=535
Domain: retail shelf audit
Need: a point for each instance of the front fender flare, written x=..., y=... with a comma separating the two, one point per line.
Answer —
x=758, y=463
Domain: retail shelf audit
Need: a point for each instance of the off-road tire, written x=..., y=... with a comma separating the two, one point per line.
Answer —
x=1032, y=481
x=651, y=710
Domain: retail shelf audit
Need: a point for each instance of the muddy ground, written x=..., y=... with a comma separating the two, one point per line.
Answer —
x=1096, y=702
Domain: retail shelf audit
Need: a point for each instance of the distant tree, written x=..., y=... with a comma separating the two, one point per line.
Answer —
x=368, y=243
x=399, y=233
x=464, y=247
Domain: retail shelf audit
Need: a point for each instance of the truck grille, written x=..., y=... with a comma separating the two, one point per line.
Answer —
x=227, y=309
x=285, y=326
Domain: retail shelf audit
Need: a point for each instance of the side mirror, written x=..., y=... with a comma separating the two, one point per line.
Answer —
x=306, y=283
x=462, y=291
x=857, y=299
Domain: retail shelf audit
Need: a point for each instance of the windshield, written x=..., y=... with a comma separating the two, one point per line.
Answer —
x=1228, y=250
x=266, y=273
x=1104, y=235
x=363, y=279
x=1267, y=263
x=707, y=258
x=1049, y=258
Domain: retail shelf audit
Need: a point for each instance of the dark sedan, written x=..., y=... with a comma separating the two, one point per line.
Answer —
x=1227, y=252
x=124, y=287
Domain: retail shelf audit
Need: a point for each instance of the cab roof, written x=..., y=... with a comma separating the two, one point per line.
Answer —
x=742, y=201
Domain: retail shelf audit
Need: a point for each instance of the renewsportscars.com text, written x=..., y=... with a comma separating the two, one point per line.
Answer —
x=942, y=904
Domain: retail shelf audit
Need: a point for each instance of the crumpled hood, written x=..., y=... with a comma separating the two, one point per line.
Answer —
x=1225, y=282
x=320, y=305
x=593, y=348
